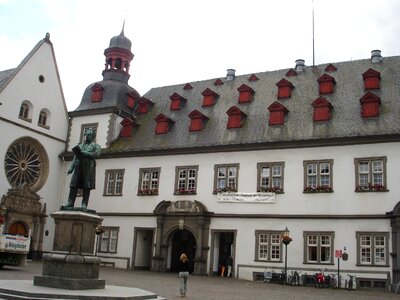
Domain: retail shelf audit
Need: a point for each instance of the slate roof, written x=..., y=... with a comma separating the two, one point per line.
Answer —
x=5, y=75
x=346, y=121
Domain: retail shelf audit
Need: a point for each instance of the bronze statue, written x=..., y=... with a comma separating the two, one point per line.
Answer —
x=83, y=168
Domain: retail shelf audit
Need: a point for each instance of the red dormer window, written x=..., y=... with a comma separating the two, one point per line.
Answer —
x=291, y=72
x=209, y=97
x=370, y=105
x=277, y=113
x=245, y=94
x=326, y=84
x=127, y=127
x=218, y=82
x=284, y=89
x=97, y=93
x=131, y=100
x=163, y=124
x=253, y=77
x=144, y=105
x=372, y=79
x=187, y=86
x=322, y=110
x=177, y=101
x=197, y=121
x=235, y=117
x=330, y=68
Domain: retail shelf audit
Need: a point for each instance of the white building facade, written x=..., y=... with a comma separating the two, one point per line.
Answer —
x=221, y=167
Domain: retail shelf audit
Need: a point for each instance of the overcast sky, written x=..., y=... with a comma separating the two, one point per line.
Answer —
x=179, y=41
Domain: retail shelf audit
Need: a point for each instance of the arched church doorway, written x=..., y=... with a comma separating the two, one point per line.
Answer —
x=183, y=241
x=18, y=228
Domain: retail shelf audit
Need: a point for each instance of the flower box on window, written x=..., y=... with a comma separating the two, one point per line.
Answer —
x=185, y=192
x=276, y=190
x=225, y=190
x=145, y=192
x=370, y=188
x=318, y=189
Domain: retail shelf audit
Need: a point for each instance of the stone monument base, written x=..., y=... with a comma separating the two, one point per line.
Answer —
x=70, y=271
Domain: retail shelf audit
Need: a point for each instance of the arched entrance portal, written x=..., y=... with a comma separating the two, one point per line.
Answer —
x=182, y=225
x=183, y=241
x=18, y=228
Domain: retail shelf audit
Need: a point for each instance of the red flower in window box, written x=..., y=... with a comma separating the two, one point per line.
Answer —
x=275, y=189
x=318, y=189
x=370, y=187
x=182, y=191
x=226, y=189
x=148, y=192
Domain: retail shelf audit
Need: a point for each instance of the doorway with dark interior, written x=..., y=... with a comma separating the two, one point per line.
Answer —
x=183, y=241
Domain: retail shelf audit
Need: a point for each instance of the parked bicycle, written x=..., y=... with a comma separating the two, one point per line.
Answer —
x=319, y=279
x=294, y=278
x=350, y=282
x=282, y=277
x=333, y=282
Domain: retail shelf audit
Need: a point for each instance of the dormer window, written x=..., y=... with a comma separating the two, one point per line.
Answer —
x=144, y=105
x=245, y=94
x=277, y=113
x=218, y=82
x=326, y=84
x=127, y=127
x=197, y=121
x=235, y=117
x=371, y=79
x=370, y=105
x=253, y=77
x=163, y=124
x=177, y=101
x=330, y=68
x=97, y=93
x=209, y=97
x=291, y=73
x=131, y=100
x=187, y=86
x=322, y=110
x=284, y=89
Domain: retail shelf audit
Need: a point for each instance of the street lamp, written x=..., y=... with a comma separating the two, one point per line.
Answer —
x=286, y=239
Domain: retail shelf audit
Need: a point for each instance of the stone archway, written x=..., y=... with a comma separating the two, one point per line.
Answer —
x=182, y=215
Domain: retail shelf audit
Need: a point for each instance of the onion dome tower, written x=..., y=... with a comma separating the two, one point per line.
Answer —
x=110, y=100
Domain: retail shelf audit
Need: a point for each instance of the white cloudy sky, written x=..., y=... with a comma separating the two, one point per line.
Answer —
x=179, y=41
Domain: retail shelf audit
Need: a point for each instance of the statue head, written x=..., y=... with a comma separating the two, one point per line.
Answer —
x=89, y=134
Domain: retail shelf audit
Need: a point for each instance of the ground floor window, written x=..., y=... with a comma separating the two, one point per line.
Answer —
x=108, y=240
x=372, y=248
x=318, y=247
x=268, y=246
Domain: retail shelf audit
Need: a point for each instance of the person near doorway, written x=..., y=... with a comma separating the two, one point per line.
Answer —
x=183, y=273
x=229, y=263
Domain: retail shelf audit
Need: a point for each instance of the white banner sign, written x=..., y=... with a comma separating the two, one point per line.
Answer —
x=246, y=197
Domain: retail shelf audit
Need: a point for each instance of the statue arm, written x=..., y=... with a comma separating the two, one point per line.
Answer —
x=93, y=152
x=73, y=164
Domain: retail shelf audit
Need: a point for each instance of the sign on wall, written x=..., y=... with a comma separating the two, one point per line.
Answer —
x=246, y=197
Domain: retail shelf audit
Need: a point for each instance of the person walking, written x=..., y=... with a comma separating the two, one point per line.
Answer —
x=183, y=273
x=229, y=263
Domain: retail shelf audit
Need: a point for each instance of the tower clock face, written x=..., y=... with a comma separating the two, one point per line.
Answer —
x=26, y=161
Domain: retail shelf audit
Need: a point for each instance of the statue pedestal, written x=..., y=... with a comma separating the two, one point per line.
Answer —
x=72, y=264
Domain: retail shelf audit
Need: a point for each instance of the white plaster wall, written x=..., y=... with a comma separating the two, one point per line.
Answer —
x=101, y=134
x=293, y=201
x=26, y=86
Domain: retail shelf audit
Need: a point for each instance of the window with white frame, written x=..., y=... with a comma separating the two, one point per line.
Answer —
x=318, y=247
x=113, y=182
x=370, y=174
x=226, y=178
x=318, y=176
x=108, y=240
x=270, y=177
x=372, y=248
x=186, y=180
x=149, y=181
x=268, y=246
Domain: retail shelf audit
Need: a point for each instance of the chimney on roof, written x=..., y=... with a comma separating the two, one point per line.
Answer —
x=376, y=56
x=230, y=74
x=300, y=66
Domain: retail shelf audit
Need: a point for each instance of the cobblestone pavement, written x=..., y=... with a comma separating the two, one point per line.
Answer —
x=205, y=287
